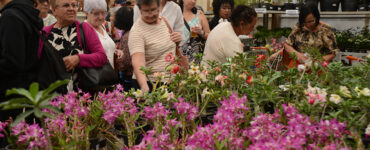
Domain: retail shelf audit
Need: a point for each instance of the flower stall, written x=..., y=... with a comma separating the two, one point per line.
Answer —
x=245, y=103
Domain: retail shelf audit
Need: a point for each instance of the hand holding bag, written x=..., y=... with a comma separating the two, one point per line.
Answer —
x=183, y=60
x=95, y=78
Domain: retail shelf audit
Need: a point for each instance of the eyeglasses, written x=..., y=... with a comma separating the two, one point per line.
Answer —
x=66, y=5
x=148, y=12
x=97, y=13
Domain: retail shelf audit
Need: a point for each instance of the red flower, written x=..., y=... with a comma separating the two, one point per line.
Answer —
x=175, y=69
x=325, y=63
x=249, y=79
x=260, y=57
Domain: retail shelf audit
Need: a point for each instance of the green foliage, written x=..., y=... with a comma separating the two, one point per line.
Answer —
x=350, y=39
x=33, y=100
x=263, y=34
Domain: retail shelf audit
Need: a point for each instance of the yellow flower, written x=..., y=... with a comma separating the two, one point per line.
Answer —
x=194, y=70
x=335, y=98
x=345, y=92
x=138, y=93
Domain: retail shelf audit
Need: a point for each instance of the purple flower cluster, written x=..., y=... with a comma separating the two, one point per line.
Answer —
x=2, y=126
x=282, y=130
x=73, y=104
x=269, y=132
x=232, y=111
x=32, y=135
x=156, y=112
x=115, y=103
x=57, y=124
x=226, y=125
x=186, y=108
x=159, y=139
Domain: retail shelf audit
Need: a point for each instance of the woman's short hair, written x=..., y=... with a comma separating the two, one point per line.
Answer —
x=242, y=13
x=305, y=10
x=216, y=4
x=139, y=3
x=124, y=18
x=89, y=5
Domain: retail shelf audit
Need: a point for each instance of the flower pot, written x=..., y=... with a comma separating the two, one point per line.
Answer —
x=279, y=7
x=297, y=6
x=267, y=6
x=329, y=5
x=272, y=7
x=289, y=6
x=363, y=7
x=315, y=2
x=349, y=5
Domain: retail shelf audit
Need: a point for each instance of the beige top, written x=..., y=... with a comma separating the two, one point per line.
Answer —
x=222, y=43
x=154, y=41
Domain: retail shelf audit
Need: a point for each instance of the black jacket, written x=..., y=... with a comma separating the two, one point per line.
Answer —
x=214, y=22
x=19, y=38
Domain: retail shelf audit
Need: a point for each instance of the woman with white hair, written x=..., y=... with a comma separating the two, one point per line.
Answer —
x=64, y=36
x=96, y=10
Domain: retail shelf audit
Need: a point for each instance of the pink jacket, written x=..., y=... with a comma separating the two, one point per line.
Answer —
x=94, y=56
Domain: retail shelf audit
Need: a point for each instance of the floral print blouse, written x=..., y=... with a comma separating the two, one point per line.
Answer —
x=324, y=39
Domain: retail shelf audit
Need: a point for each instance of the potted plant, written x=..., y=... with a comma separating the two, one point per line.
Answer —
x=349, y=5
x=315, y=2
x=299, y=4
x=362, y=5
x=329, y=5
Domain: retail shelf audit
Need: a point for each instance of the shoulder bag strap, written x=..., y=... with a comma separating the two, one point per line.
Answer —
x=82, y=37
x=187, y=25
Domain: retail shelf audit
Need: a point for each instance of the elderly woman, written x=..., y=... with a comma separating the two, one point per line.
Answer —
x=65, y=37
x=44, y=6
x=96, y=10
x=223, y=41
x=150, y=41
x=171, y=11
x=222, y=11
x=196, y=29
x=310, y=33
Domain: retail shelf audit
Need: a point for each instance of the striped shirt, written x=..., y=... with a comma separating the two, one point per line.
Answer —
x=154, y=41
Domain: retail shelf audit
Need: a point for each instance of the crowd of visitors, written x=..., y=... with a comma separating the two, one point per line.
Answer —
x=129, y=37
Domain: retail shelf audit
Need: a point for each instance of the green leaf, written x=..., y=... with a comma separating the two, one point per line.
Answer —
x=20, y=91
x=21, y=117
x=17, y=106
x=138, y=115
x=34, y=89
x=274, y=77
x=55, y=85
x=21, y=100
x=90, y=128
x=39, y=95
x=45, y=99
x=139, y=127
x=38, y=113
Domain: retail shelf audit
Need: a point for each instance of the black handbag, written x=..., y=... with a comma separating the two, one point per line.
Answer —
x=51, y=66
x=95, y=78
